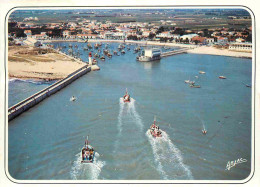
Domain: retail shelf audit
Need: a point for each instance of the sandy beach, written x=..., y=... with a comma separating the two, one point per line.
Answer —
x=50, y=66
x=223, y=52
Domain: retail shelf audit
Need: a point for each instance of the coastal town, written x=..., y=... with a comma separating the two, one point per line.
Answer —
x=173, y=87
x=232, y=39
x=165, y=31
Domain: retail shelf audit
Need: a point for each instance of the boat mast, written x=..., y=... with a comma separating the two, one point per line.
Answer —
x=86, y=141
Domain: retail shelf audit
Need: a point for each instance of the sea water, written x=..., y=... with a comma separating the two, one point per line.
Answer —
x=45, y=142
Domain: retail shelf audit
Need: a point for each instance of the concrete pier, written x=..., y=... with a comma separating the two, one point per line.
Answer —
x=31, y=101
x=175, y=52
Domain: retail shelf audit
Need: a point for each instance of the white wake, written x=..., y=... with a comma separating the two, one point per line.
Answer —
x=168, y=158
x=86, y=171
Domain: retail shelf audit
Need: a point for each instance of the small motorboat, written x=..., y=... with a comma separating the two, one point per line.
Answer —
x=202, y=72
x=73, y=98
x=94, y=61
x=222, y=77
x=192, y=85
x=123, y=52
x=189, y=82
x=102, y=58
x=204, y=131
x=126, y=97
x=87, y=153
x=155, y=130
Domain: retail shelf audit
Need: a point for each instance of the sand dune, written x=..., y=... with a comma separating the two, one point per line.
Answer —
x=50, y=66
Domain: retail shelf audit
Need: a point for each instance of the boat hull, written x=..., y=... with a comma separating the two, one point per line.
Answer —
x=155, y=135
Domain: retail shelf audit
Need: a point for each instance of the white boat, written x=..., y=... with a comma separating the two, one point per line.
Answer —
x=222, y=77
x=73, y=98
x=202, y=72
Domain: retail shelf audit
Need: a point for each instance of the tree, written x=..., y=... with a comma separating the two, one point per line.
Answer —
x=160, y=30
x=151, y=35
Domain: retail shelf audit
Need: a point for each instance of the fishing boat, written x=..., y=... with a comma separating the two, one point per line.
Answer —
x=115, y=53
x=222, y=77
x=102, y=58
x=96, y=55
x=89, y=46
x=155, y=130
x=189, y=82
x=87, y=153
x=192, y=85
x=96, y=46
x=126, y=97
x=94, y=61
x=105, y=51
x=73, y=98
x=202, y=72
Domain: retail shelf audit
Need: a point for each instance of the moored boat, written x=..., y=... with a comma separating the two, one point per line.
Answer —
x=222, y=77
x=192, y=85
x=202, y=72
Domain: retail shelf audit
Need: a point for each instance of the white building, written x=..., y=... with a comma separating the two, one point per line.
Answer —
x=247, y=47
x=188, y=36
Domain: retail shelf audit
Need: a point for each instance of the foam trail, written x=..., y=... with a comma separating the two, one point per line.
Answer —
x=135, y=115
x=168, y=158
x=86, y=171
x=119, y=124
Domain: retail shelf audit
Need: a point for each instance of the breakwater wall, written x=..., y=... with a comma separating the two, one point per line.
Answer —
x=33, y=100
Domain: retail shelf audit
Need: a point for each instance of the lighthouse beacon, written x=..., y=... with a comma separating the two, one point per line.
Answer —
x=90, y=59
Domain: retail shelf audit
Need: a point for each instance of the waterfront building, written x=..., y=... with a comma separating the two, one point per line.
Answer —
x=32, y=42
x=150, y=54
x=188, y=36
x=210, y=40
x=199, y=39
x=247, y=47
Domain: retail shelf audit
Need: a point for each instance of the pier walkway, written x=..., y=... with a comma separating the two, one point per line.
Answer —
x=31, y=101
x=174, y=52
